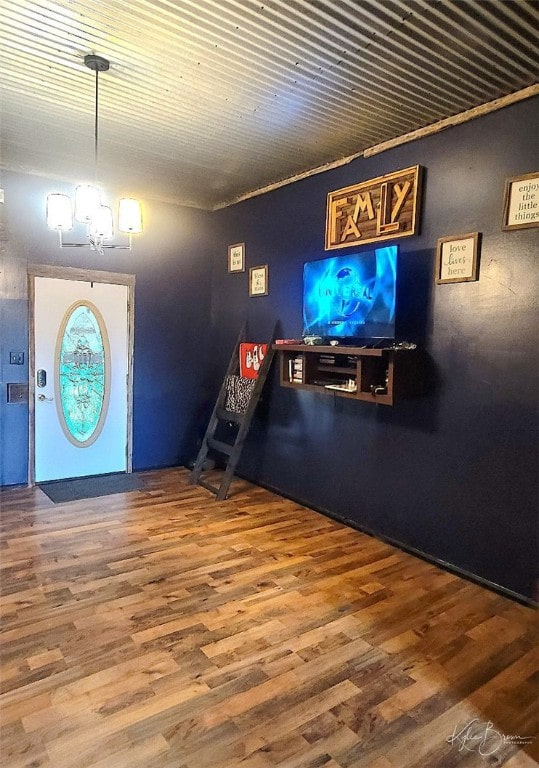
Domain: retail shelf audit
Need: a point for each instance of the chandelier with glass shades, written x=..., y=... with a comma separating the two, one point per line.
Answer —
x=89, y=208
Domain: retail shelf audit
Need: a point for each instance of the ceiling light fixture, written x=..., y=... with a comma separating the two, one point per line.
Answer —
x=88, y=207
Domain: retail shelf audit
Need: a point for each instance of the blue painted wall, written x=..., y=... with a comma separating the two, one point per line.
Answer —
x=454, y=473
x=172, y=265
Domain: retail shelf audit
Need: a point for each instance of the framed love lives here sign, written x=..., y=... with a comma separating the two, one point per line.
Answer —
x=457, y=258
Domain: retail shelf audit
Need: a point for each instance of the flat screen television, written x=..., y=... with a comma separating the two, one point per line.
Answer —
x=351, y=296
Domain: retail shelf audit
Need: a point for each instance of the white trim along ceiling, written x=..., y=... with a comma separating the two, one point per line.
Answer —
x=207, y=101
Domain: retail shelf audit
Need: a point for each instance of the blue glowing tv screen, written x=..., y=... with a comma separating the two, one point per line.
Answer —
x=351, y=296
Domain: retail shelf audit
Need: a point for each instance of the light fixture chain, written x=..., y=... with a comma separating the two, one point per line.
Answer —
x=96, y=125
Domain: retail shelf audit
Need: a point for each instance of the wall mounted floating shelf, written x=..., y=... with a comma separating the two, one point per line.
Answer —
x=370, y=375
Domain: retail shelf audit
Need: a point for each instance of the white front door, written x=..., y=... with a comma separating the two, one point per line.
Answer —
x=81, y=343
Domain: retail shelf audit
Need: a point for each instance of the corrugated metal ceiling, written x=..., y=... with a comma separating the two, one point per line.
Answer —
x=207, y=100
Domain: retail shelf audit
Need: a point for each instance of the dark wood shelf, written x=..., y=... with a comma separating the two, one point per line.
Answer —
x=381, y=375
x=341, y=349
x=337, y=369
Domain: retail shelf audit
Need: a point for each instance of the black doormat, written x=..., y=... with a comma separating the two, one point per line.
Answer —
x=60, y=491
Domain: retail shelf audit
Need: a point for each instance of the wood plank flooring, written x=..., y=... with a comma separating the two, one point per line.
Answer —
x=162, y=629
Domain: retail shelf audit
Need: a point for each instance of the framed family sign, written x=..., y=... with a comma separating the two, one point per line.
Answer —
x=375, y=210
x=236, y=257
x=258, y=281
x=457, y=258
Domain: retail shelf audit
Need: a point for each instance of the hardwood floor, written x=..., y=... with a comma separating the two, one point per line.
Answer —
x=161, y=629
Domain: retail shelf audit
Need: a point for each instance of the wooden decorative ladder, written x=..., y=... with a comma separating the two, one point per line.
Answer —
x=242, y=420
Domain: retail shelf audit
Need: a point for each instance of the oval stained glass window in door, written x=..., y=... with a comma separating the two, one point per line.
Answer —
x=82, y=373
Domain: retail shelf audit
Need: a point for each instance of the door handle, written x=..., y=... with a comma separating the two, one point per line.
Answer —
x=42, y=398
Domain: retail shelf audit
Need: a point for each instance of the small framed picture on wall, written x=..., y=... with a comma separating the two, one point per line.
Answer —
x=236, y=257
x=258, y=281
x=521, y=202
x=457, y=258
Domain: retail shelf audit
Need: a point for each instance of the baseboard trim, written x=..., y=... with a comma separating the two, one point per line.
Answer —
x=450, y=567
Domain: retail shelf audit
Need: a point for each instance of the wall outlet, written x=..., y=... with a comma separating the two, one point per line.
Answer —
x=16, y=358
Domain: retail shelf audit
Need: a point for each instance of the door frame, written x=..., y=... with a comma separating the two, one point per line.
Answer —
x=87, y=276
